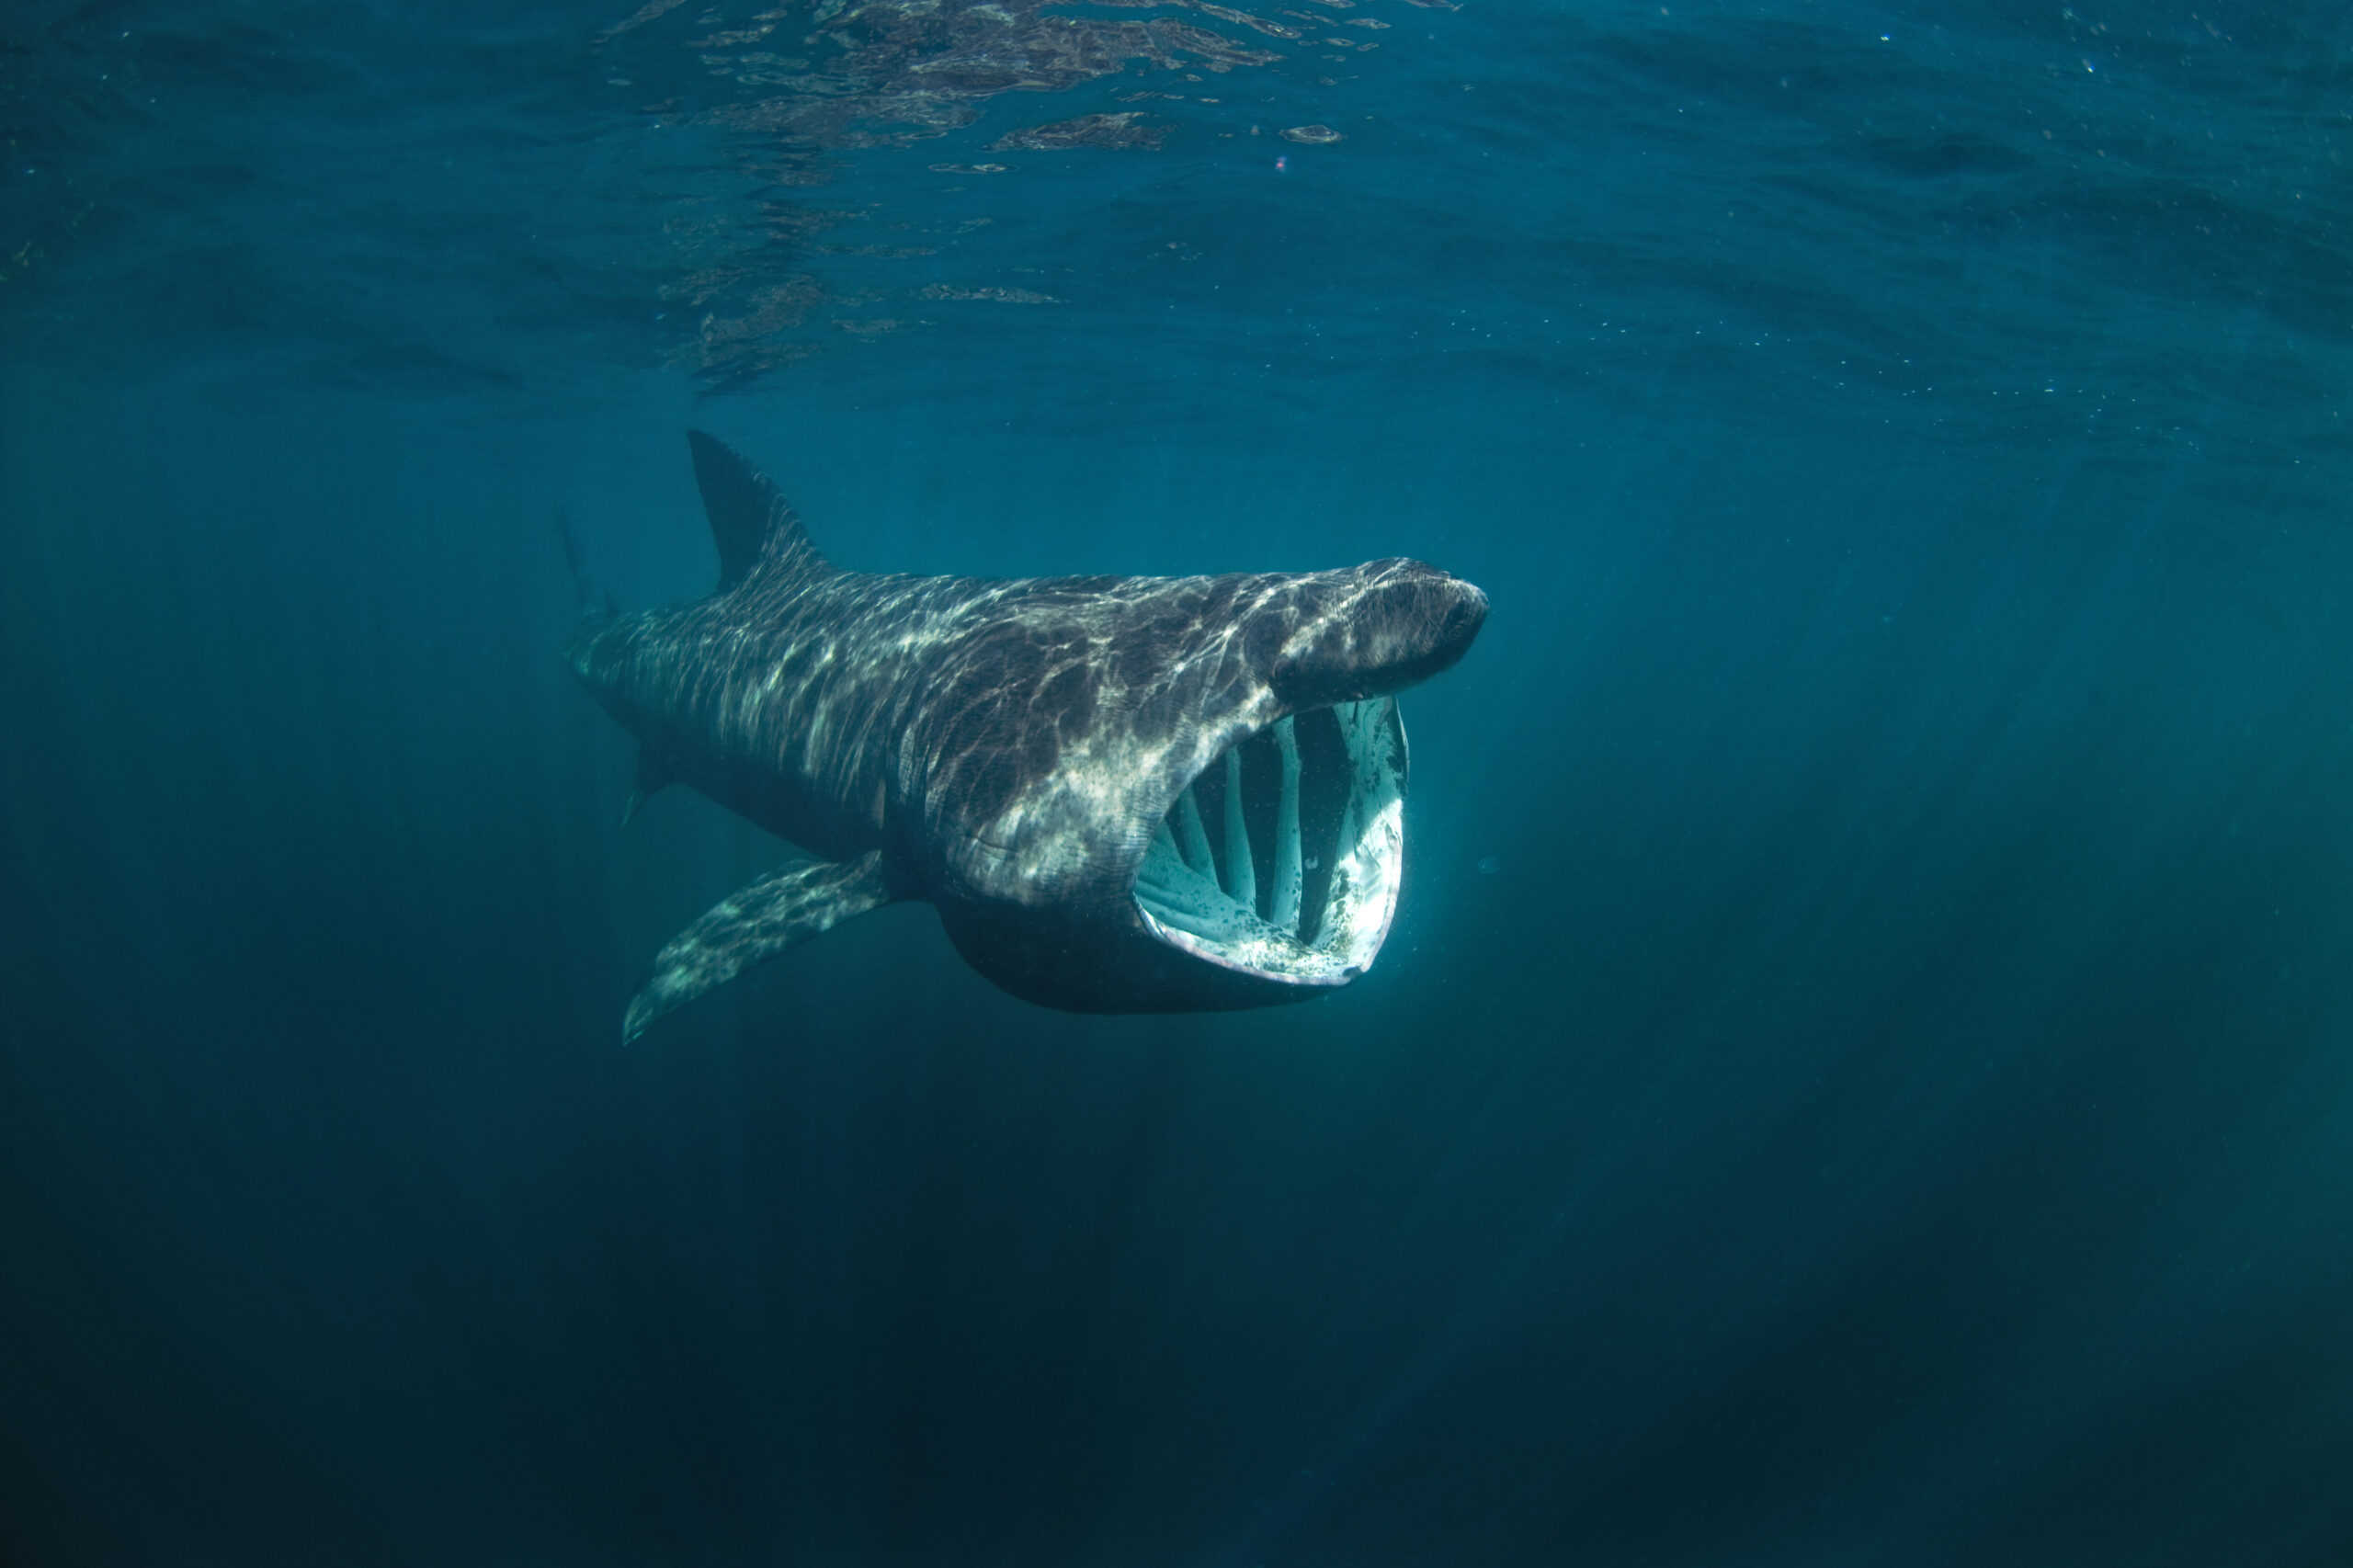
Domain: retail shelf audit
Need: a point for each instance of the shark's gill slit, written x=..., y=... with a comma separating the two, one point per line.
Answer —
x=1241, y=868
x=1282, y=907
x=1192, y=837
x=1300, y=884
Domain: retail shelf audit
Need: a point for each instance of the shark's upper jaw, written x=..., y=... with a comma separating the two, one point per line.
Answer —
x=1283, y=860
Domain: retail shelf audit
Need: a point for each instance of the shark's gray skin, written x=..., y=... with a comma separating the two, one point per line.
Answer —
x=1123, y=794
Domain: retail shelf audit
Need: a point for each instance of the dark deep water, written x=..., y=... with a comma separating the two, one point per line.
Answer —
x=1863, y=1072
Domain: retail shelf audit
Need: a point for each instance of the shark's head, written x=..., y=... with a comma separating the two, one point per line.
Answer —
x=1176, y=793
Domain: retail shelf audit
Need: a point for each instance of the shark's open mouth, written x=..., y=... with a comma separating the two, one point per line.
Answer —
x=1283, y=858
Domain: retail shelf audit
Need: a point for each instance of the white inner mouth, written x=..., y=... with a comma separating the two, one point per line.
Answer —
x=1283, y=858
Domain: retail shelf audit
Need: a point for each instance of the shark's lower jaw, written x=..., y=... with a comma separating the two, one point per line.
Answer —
x=1283, y=860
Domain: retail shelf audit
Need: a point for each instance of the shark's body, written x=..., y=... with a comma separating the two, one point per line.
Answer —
x=1046, y=760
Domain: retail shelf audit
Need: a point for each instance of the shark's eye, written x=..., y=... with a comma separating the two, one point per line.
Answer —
x=1283, y=858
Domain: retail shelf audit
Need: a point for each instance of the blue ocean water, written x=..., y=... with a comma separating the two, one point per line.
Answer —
x=1863, y=1069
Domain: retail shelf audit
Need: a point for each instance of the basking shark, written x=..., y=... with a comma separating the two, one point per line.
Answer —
x=1122, y=794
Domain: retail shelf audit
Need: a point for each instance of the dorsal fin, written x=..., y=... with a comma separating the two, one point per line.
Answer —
x=751, y=522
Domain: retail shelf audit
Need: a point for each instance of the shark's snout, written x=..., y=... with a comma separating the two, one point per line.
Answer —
x=1375, y=630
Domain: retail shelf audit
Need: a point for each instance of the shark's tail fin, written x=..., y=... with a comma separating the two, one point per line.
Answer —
x=595, y=605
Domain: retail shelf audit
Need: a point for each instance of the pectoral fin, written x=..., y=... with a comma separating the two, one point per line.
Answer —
x=754, y=924
x=652, y=775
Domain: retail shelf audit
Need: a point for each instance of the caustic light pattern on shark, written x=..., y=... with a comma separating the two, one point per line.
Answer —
x=1122, y=794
